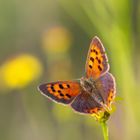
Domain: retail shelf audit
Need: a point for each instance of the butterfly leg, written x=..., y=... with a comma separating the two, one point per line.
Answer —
x=107, y=108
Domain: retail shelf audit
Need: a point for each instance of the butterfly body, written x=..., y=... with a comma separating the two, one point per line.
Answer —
x=89, y=86
x=94, y=92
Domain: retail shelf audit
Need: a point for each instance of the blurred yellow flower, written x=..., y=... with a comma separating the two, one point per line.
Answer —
x=20, y=71
x=56, y=40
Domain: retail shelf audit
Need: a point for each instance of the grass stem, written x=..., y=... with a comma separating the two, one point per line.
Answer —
x=105, y=130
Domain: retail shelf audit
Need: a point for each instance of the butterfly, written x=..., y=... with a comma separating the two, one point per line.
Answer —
x=94, y=92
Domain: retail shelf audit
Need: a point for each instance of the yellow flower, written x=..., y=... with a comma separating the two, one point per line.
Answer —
x=56, y=40
x=20, y=71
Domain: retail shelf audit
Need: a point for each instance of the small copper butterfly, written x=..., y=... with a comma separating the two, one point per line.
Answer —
x=94, y=92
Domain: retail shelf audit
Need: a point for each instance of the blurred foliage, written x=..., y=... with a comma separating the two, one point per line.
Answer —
x=49, y=41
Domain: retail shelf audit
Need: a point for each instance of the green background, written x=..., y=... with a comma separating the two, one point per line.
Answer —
x=24, y=112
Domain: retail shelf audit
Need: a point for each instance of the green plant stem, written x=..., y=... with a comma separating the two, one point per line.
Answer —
x=105, y=130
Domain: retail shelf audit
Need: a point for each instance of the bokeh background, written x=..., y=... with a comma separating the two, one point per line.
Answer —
x=43, y=41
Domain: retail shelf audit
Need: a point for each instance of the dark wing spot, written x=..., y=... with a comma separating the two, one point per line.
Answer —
x=93, y=111
x=99, y=67
x=96, y=58
x=90, y=66
x=95, y=51
x=52, y=88
x=61, y=86
x=69, y=96
x=91, y=50
x=61, y=94
x=92, y=59
x=111, y=96
x=68, y=85
x=99, y=61
x=59, y=91
x=109, y=100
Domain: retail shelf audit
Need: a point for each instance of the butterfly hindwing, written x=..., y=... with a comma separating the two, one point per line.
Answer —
x=62, y=91
x=97, y=62
x=107, y=88
x=85, y=104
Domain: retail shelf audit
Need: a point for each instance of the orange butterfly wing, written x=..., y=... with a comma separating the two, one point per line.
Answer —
x=62, y=91
x=97, y=62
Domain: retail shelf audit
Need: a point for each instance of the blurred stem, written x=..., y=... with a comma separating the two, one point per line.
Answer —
x=105, y=130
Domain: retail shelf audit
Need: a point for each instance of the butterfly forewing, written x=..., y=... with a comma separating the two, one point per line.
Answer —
x=84, y=103
x=107, y=88
x=62, y=91
x=97, y=62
